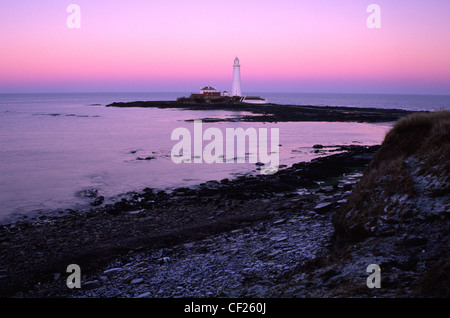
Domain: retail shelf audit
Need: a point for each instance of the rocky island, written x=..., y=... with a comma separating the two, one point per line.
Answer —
x=274, y=112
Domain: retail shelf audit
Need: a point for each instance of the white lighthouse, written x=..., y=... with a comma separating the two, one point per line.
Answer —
x=236, y=85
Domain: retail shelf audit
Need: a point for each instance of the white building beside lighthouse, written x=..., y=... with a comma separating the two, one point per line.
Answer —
x=209, y=94
x=236, y=84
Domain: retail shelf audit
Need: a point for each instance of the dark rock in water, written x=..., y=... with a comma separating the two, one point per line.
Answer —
x=318, y=146
x=98, y=201
x=182, y=189
x=148, y=190
x=87, y=193
x=146, y=158
x=118, y=207
x=212, y=184
x=111, y=209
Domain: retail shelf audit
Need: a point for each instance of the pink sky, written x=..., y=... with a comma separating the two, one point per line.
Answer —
x=178, y=45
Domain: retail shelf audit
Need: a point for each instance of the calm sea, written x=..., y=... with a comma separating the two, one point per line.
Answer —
x=55, y=146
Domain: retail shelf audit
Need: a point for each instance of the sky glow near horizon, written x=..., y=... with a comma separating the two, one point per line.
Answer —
x=179, y=45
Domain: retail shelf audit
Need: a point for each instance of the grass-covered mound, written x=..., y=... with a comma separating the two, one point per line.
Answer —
x=402, y=204
x=413, y=163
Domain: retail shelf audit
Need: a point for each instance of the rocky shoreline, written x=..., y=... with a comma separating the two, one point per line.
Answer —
x=309, y=230
x=240, y=237
x=279, y=113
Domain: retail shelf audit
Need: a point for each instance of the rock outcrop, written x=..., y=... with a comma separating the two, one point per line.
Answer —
x=398, y=214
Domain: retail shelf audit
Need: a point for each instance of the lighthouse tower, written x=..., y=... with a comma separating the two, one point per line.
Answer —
x=236, y=85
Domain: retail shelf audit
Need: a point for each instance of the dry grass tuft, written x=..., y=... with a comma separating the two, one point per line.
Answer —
x=418, y=134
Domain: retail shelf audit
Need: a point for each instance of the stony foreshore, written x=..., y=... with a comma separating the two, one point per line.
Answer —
x=239, y=237
x=280, y=113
